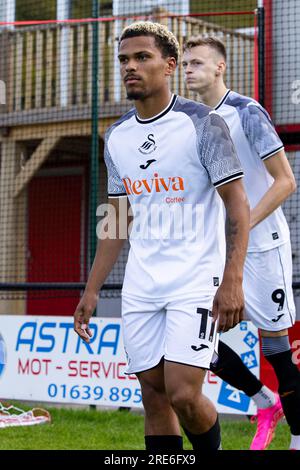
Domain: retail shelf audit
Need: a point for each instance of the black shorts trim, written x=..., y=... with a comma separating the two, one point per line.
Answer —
x=145, y=370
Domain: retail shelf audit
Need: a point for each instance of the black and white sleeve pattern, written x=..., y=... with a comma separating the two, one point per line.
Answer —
x=217, y=152
x=115, y=186
x=260, y=131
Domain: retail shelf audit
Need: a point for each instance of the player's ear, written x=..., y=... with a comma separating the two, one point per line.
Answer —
x=171, y=65
x=221, y=67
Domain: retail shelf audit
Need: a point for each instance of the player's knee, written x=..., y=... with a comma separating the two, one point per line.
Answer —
x=154, y=395
x=183, y=400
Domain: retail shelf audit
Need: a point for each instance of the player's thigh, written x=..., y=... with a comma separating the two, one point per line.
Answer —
x=191, y=336
x=152, y=380
x=183, y=382
x=143, y=333
x=268, y=289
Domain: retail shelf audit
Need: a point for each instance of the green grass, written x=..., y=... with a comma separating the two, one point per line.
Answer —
x=114, y=430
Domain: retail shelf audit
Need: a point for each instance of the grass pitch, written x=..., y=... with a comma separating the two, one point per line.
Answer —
x=79, y=429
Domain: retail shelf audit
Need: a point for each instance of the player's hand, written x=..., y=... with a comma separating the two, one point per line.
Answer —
x=82, y=315
x=228, y=306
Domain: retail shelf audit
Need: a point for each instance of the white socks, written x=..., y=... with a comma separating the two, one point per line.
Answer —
x=295, y=442
x=265, y=398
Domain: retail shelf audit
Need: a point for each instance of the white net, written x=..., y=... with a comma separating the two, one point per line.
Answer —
x=12, y=416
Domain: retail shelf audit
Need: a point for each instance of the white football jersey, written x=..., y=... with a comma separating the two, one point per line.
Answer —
x=168, y=167
x=255, y=140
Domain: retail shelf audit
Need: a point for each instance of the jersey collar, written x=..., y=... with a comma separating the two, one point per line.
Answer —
x=161, y=114
x=222, y=100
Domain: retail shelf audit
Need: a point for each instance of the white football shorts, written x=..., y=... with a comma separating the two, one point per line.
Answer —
x=268, y=288
x=179, y=330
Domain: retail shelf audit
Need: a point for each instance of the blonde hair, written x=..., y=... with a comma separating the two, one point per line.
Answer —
x=164, y=39
x=211, y=41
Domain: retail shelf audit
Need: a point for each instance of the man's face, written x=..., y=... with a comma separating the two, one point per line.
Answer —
x=143, y=69
x=201, y=67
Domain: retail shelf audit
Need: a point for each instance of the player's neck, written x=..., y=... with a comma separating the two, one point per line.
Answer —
x=153, y=105
x=212, y=96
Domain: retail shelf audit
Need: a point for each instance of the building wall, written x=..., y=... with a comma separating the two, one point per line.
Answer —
x=286, y=64
x=121, y=8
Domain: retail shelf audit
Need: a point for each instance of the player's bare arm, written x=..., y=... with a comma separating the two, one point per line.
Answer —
x=107, y=253
x=228, y=304
x=284, y=184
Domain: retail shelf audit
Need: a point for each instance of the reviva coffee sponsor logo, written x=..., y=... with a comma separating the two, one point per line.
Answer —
x=156, y=184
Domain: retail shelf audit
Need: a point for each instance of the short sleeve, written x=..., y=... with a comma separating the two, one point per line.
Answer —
x=115, y=186
x=260, y=131
x=217, y=152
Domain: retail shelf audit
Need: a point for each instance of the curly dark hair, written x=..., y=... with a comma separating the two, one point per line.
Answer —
x=164, y=39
